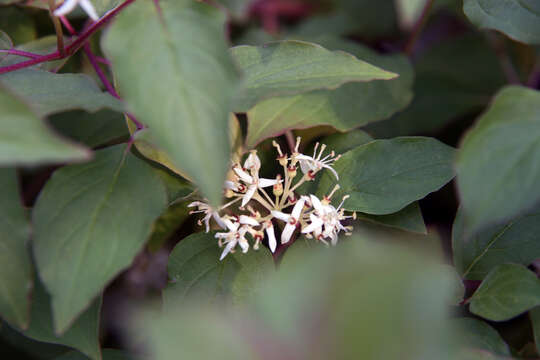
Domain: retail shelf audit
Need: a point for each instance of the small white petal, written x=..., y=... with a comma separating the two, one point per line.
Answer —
x=66, y=7
x=249, y=194
x=248, y=220
x=230, y=185
x=267, y=182
x=218, y=220
x=243, y=175
x=272, y=243
x=89, y=9
x=253, y=161
x=332, y=170
x=244, y=245
x=297, y=209
x=281, y=216
x=230, y=225
x=317, y=204
x=227, y=249
x=287, y=233
x=316, y=224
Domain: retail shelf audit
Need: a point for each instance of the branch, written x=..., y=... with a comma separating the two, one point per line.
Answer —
x=71, y=48
x=418, y=27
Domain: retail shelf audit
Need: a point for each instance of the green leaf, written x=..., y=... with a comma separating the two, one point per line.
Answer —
x=477, y=334
x=91, y=129
x=18, y=24
x=518, y=19
x=195, y=270
x=498, y=159
x=513, y=242
x=82, y=335
x=108, y=354
x=384, y=176
x=453, y=78
x=15, y=266
x=349, y=106
x=90, y=221
x=52, y=93
x=507, y=291
x=408, y=219
x=42, y=46
x=25, y=139
x=102, y=6
x=185, y=94
x=293, y=67
x=166, y=225
x=257, y=267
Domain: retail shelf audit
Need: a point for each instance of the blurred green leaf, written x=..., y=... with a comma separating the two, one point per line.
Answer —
x=294, y=67
x=52, y=93
x=384, y=176
x=195, y=271
x=477, y=334
x=41, y=46
x=355, y=301
x=453, y=78
x=82, y=335
x=507, y=291
x=15, y=266
x=91, y=129
x=498, y=160
x=184, y=95
x=17, y=23
x=167, y=224
x=518, y=19
x=90, y=221
x=513, y=242
x=408, y=219
x=534, y=315
x=25, y=139
x=108, y=354
x=257, y=267
x=351, y=105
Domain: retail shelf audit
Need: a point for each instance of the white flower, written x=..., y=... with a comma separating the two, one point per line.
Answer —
x=209, y=212
x=236, y=235
x=253, y=162
x=253, y=182
x=317, y=162
x=291, y=220
x=272, y=243
x=69, y=5
x=329, y=217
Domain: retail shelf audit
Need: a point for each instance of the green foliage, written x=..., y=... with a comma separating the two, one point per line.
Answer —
x=478, y=335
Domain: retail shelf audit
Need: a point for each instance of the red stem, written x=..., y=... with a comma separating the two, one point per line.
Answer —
x=418, y=27
x=21, y=53
x=73, y=47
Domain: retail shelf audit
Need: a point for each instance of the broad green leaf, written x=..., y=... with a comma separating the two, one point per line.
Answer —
x=453, y=78
x=15, y=266
x=52, y=93
x=35, y=349
x=5, y=44
x=498, y=159
x=351, y=302
x=25, y=139
x=102, y=6
x=108, y=354
x=256, y=267
x=91, y=129
x=293, y=67
x=195, y=270
x=17, y=23
x=167, y=224
x=185, y=94
x=90, y=221
x=519, y=19
x=236, y=8
x=477, y=334
x=408, y=219
x=507, y=291
x=351, y=105
x=82, y=335
x=384, y=176
x=534, y=315
x=41, y=46
x=513, y=242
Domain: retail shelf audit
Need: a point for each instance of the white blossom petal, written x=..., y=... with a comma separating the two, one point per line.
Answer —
x=230, y=225
x=243, y=175
x=267, y=182
x=218, y=220
x=249, y=194
x=253, y=162
x=297, y=209
x=66, y=7
x=332, y=170
x=287, y=233
x=230, y=185
x=272, y=243
x=317, y=204
x=248, y=220
x=89, y=9
x=281, y=216
x=316, y=224
x=243, y=244
x=227, y=249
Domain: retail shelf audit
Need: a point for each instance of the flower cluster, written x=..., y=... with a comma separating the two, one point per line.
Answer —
x=314, y=217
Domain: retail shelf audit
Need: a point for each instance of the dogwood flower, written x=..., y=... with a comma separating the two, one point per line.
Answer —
x=272, y=243
x=236, y=235
x=69, y=5
x=329, y=217
x=291, y=220
x=209, y=212
x=253, y=182
x=312, y=164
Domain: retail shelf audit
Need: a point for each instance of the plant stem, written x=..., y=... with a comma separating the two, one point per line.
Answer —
x=71, y=48
x=21, y=53
x=418, y=27
x=504, y=60
x=57, y=28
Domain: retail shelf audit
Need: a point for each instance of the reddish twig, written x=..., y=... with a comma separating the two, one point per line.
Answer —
x=21, y=53
x=71, y=48
x=418, y=27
